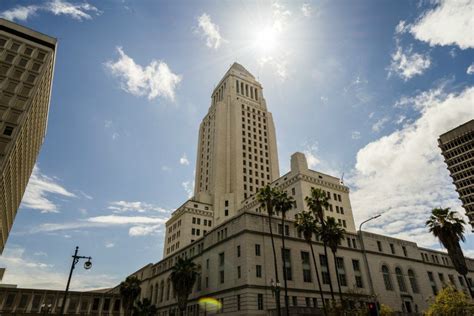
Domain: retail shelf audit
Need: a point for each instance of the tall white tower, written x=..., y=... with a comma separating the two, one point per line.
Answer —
x=237, y=151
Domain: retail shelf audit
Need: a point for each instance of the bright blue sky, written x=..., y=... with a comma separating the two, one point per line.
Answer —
x=349, y=83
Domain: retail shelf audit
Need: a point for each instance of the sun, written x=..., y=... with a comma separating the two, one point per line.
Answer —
x=266, y=40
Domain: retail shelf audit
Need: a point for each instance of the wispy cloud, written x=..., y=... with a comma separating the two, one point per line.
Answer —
x=137, y=224
x=188, y=186
x=210, y=31
x=355, y=135
x=470, y=69
x=379, y=125
x=39, y=191
x=31, y=273
x=154, y=80
x=126, y=206
x=184, y=160
x=407, y=64
x=403, y=174
x=77, y=11
x=307, y=10
x=448, y=23
x=315, y=162
x=109, y=245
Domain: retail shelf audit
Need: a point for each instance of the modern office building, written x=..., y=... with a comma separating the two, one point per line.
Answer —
x=226, y=232
x=26, y=74
x=457, y=147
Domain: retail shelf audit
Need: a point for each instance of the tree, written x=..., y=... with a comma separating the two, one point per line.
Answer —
x=316, y=201
x=450, y=302
x=183, y=276
x=449, y=229
x=331, y=233
x=284, y=203
x=129, y=291
x=386, y=310
x=144, y=308
x=267, y=196
x=307, y=225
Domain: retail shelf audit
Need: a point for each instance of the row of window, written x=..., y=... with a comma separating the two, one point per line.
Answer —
x=205, y=222
x=392, y=248
x=246, y=90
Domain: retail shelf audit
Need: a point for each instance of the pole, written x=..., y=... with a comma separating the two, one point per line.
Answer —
x=371, y=285
x=74, y=261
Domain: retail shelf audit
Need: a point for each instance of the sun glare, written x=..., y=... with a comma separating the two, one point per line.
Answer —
x=266, y=40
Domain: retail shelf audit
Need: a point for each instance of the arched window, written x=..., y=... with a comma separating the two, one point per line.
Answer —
x=413, y=283
x=386, y=278
x=400, y=280
x=151, y=293
x=162, y=290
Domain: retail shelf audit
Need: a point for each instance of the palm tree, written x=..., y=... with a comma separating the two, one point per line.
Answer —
x=307, y=224
x=144, y=308
x=266, y=196
x=449, y=229
x=332, y=234
x=183, y=276
x=283, y=204
x=129, y=291
x=316, y=201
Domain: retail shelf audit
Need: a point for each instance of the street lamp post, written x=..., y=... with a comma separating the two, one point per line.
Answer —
x=276, y=287
x=75, y=260
x=371, y=285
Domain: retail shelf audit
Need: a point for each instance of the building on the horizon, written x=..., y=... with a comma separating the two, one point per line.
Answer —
x=457, y=147
x=225, y=231
x=26, y=75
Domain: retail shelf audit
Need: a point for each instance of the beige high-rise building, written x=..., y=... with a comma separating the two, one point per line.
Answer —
x=457, y=147
x=26, y=73
x=237, y=151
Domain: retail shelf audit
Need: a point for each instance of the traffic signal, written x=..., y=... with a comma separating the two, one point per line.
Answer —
x=373, y=310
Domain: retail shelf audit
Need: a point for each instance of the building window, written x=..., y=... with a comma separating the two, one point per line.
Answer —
x=238, y=272
x=434, y=288
x=404, y=251
x=386, y=278
x=295, y=301
x=260, y=302
x=306, y=266
x=8, y=131
x=400, y=280
x=379, y=245
x=258, y=271
x=341, y=271
x=221, y=259
x=324, y=269
x=257, y=249
x=221, y=276
x=286, y=255
x=392, y=248
x=413, y=283
x=238, y=302
x=308, y=301
x=238, y=251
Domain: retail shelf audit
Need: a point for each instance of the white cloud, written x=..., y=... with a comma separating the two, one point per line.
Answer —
x=470, y=69
x=306, y=10
x=40, y=188
x=136, y=231
x=324, y=100
x=402, y=27
x=31, y=273
x=210, y=31
x=154, y=80
x=449, y=23
x=109, y=245
x=184, y=160
x=104, y=221
x=400, y=120
x=311, y=151
x=125, y=206
x=165, y=168
x=355, y=135
x=19, y=13
x=188, y=186
x=78, y=12
x=407, y=64
x=403, y=176
x=379, y=125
